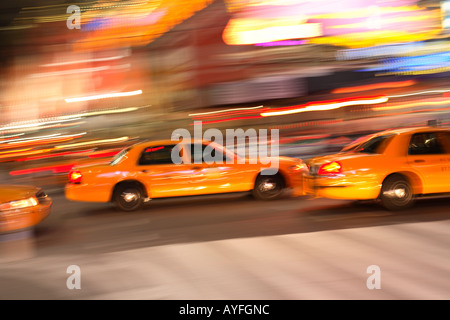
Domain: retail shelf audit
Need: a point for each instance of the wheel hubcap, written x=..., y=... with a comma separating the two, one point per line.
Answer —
x=267, y=186
x=129, y=197
x=400, y=192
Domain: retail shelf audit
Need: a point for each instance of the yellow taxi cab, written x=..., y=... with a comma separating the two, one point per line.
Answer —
x=162, y=169
x=22, y=207
x=394, y=166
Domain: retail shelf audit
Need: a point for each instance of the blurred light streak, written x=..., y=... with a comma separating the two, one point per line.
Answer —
x=413, y=73
x=35, y=124
x=60, y=154
x=418, y=93
x=16, y=150
x=11, y=136
x=32, y=138
x=19, y=154
x=104, y=96
x=104, y=154
x=101, y=112
x=34, y=143
x=54, y=169
x=121, y=139
x=39, y=141
x=56, y=64
x=431, y=102
x=327, y=105
x=66, y=72
x=228, y=119
x=230, y=114
x=226, y=110
x=383, y=85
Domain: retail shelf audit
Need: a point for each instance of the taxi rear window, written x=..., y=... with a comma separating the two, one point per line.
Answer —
x=375, y=145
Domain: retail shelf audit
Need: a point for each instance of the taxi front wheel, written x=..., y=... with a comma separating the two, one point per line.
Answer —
x=128, y=197
x=396, y=193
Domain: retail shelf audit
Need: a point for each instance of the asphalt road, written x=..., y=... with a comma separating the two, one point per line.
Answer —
x=232, y=247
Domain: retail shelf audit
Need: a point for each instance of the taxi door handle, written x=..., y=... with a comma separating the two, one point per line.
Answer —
x=196, y=168
x=419, y=160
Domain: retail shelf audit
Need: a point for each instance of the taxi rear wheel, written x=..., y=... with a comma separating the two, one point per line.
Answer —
x=128, y=197
x=396, y=193
x=268, y=187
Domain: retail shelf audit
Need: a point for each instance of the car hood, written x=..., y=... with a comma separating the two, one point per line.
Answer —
x=16, y=192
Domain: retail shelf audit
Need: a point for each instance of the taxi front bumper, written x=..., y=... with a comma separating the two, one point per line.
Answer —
x=341, y=187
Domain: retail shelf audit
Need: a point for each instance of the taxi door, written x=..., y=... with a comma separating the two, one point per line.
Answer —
x=428, y=156
x=215, y=171
x=163, y=175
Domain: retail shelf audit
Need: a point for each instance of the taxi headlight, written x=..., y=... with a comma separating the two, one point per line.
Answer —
x=19, y=204
x=298, y=167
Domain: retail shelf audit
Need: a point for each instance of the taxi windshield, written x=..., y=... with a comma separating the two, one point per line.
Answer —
x=118, y=157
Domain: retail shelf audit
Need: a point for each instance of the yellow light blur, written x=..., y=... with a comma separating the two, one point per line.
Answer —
x=327, y=106
x=251, y=31
x=92, y=142
x=104, y=96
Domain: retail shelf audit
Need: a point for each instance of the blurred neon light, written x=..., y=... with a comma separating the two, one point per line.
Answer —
x=326, y=105
x=252, y=31
x=104, y=96
x=282, y=43
x=383, y=85
x=226, y=110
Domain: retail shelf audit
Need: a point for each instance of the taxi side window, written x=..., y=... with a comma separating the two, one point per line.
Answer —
x=158, y=155
x=205, y=153
x=425, y=143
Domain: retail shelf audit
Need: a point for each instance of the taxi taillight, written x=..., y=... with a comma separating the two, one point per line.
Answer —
x=330, y=168
x=75, y=176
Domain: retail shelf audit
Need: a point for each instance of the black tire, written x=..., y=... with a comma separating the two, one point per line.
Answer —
x=128, y=197
x=397, y=193
x=268, y=187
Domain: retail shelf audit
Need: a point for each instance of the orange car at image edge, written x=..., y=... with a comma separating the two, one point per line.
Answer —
x=393, y=166
x=22, y=207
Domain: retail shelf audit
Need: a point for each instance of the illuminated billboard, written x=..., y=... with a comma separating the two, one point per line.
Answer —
x=350, y=23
